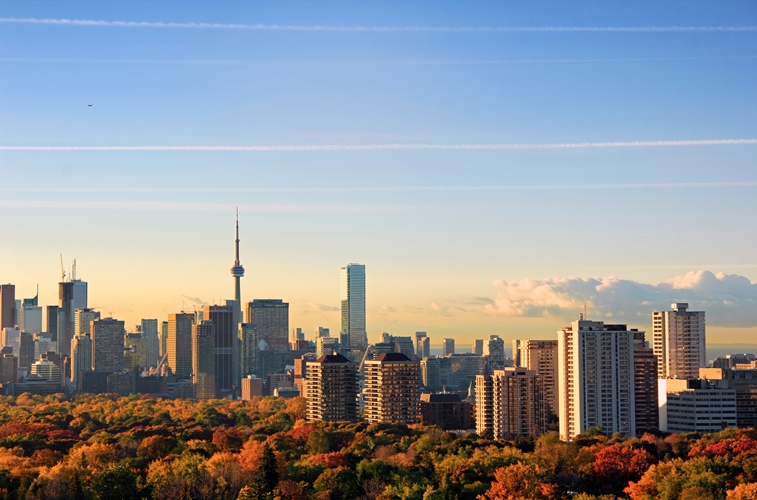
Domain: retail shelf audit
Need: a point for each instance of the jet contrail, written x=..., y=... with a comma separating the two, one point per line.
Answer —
x=377, y=29
x=393, y=147
x=382, y=189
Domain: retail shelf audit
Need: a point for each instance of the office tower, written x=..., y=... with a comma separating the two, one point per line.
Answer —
x=30, y=315
x=149, y=329
x=511, y=404
x=81, y=358
x=541, y=357
x=226, y=349
x=431, y=376
x=679, y=342
x=696, y=405
x=107, y=345
x=135, y=351
x=494, y=348
x=322, y=332
x=271, y=318
x=298, y=340
x=11, y=338
x=42, y=345
x=392, y=389
x=425, y=347
x=478, y=347
x=204, y=357
x=163, y=338
x=83, y=319
x=179, y=344
x=248, y=349
x=458, y=371
x=419, y=339
x=8, y=369
x=7, y=306
x=326, y=345
x=516, y=352
x=449, y=346
x=72, y=295
x=51, y=316
x=46, y=369
x=353, y=307
x=645, y=388
x=237, y=271
x=331, y=389
x=386, y=337
x=595, y=379
x=403, y=345
x=26, y=351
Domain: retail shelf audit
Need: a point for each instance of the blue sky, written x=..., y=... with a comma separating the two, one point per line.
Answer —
x=438, y=260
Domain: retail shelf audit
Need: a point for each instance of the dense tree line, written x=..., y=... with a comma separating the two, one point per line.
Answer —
x=109, y=447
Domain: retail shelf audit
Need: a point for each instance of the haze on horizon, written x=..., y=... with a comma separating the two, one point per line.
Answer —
x=496, y=167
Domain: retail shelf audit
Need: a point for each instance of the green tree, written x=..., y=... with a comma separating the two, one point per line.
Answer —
x=269, y=469
x=116, y=483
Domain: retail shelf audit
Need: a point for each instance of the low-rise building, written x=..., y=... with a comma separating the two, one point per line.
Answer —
x=447, y=411
x=696, y=405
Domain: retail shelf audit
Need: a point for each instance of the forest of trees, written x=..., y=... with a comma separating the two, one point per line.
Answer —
x=109, y=447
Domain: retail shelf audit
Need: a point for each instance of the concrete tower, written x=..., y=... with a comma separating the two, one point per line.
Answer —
x=237, y=271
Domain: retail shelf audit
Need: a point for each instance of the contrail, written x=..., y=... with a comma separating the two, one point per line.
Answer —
x=383, y=189
x=393, y=147
x=377, y=29
x=483, y=62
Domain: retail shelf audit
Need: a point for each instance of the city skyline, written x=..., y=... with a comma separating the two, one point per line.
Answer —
x=461, y=154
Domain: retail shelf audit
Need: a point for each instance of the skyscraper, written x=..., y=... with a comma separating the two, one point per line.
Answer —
x=52, y=322
x=30, y=315
x=237, y=271
x=679, y=342
x=149, y=329
x=179, y=344
x=449, y=346
x=107, y=345
x=353, y=307
x=7, y=306
x=392, y=389
x=226, y=347
x=81, y=358
x=83, y=319
x=204, y=360
x=645, y=387
x=494, y=348
x=271, y=318
x=72, y=295
x=595, y=379
x=541, y=357
x=331, y=389
x=248, y=346
x=478, y=347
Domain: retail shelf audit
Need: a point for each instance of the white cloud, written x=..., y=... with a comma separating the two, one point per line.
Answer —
x=728, y=299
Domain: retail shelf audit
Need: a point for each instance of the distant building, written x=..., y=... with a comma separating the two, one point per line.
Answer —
x=274, y=361
x=179, y=344
x=494, y=349
x=353, y=329
x=278, y=380
x=7, y=306
x=271, y=318
x=226, y=350
x=81, y=359
x=8, y=369
x=163, y=338
x=30, y=316
x=478, y=347
x=331, y=389
x=679, y=342
x=596, y=379
x=321, y=332
x=431, y=375
x=458, y=371
x=449, y=347
x=72, y=295
x=252, y=387
x=43, y=368
x=510, y=404
x=248, y=344
x=400, y=404
x=326, y=345
x=149, y=329
x=695, y=406
x=204, y=372
x=744, y=382
x=51, y=314
x=405, y=346
x=300, y=371
x=645, y=385
x=123, y=382
x=107, y=345
x=541, y=357
x=447, y=411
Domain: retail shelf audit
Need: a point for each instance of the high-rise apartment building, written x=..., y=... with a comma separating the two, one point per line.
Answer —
x=163, y=338
x=449, y=347
x=72, y=295
x=645, y=388
x=392, y=389
x=8, y=369
x=107, y=345
x=331, y=389
x=510, y=404
x=353, y=307
x=179, y=344
x=431, y=375
x=326, y=345
x=595, y=379
x=541, y=357
x=226, y=348
x=149, y=329
x=7, y=306
x=679, y=341
x=51, y=315
x=494, y=349
x=271, y=318
x=204, y=358
x=248, y=349
x=81, y=358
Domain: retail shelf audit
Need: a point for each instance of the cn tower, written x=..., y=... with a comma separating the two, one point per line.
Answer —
x=237, y=271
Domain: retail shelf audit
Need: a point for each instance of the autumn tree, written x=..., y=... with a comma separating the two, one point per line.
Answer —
x=615, y=465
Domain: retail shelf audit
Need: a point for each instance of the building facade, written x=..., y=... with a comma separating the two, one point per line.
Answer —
x=449, y=347
x=353, y=307
x=447, y=411
x=679, y=342
x=595, y=379
x=645, y=389
x=107, y=345
x=541, y=357
x=204, y=372
x=512, y=404
x=331, y=389
x=392, y=389
x=271, y=318
x=494, y=349
x=226, y=347
x=179, y=344
x=695, y=406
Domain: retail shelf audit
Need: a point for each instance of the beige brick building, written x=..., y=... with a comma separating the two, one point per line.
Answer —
x=392, y=389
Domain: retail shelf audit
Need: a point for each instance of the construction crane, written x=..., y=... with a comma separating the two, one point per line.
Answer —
x=62, y=270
